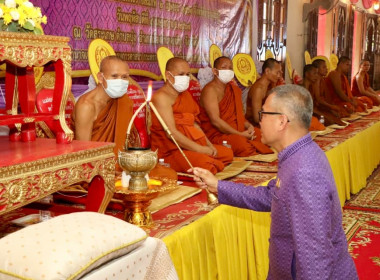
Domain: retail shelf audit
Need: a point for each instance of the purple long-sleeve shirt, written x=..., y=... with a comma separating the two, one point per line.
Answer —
x=307, y=240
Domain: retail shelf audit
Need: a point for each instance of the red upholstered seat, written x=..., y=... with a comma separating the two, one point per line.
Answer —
x=44, y=104
x=137, y=95
x=195, y=90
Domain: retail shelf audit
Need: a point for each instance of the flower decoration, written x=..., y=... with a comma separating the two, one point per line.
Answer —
x=20, y=16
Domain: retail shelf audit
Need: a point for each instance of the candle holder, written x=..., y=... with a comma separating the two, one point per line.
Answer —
x=137, y=162
x=137, y=197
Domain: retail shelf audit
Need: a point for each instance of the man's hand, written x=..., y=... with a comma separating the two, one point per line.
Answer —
x=205, y=179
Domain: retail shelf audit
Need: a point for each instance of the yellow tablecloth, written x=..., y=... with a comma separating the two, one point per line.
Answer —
x=232, y=243
x=354, y=160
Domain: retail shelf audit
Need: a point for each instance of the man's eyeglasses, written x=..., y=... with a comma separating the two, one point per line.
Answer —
x=270, y=113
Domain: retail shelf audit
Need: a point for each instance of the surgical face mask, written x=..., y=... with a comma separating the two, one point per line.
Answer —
x=226, y=76
x=116, y=88
x=181, y=83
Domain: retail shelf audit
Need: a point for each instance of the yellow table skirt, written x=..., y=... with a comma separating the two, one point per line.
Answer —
x=354, y=160
x=227, y=243
x=232, y=243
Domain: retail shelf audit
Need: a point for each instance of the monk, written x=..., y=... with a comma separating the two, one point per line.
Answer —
x=340, y=89
x=103, y=114
x=322, y=95
x=180, y=113
x=271, y=73
x=310, y=82
x=222, y=117
x=361, y=87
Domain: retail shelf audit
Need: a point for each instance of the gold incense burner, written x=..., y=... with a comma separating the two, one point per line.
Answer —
x=137, y=163
x=137, y=197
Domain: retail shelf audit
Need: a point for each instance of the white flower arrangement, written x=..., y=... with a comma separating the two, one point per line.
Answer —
x=20, y=16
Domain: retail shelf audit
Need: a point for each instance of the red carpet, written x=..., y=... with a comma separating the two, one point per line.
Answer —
x=363, y=236
x=368, y=199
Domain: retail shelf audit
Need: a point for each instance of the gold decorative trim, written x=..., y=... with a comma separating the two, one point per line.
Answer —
x=28, y=120
x=52, y=163
x=24, y=183
x=19, y=48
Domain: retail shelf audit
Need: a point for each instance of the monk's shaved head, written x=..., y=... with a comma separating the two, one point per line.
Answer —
x=269, y=63
x=295, y=101
x=219, y=60
x=318, y=62
x=308, y=68
x=171, y=64
x=109, y=59
x=344, y=59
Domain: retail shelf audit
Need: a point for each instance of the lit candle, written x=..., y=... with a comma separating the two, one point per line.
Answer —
x=137, y=111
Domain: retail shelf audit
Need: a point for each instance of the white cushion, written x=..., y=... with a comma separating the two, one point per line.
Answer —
x=66, y=247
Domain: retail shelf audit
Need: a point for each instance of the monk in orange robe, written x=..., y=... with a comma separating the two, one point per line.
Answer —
x=311, y=83
x=179, y=111
x=361, y=87
x=271, y=73
x=222, y=117
x=103, y=114
x=322, y=94
x=340, y=89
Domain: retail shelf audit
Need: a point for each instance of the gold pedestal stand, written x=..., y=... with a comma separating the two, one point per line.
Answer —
x=136, y=205
x=137, y=197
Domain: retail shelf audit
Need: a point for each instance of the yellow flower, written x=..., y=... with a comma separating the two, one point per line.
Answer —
x=20, y=2
x=7, y=19
x=44, y=20
x=22, y=19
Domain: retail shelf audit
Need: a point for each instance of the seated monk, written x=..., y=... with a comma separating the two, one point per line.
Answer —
x=103, y=114
x=271, y=73
x=180, y=113
x=310, y=82
x=361, y=87
x=322, y=95
x=340, y=89
x=222, y=117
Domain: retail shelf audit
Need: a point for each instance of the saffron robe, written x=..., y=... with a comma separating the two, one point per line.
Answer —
x=186, y=111
x=370, y=101
x=112, y=122
x=307, y=240
x=347, y=90
x=231, y=111
x=315, y=123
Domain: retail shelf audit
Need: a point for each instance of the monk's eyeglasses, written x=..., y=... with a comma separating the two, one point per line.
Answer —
x=270, y=113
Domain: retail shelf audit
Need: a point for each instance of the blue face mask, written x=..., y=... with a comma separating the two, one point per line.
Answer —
x=116, y=88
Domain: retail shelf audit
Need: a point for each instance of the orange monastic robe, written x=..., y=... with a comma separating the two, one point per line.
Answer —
x=231, y=111
x=315, y=123
x=186, y=113
x=356, y=92
x=347, y=90
x=112, y=122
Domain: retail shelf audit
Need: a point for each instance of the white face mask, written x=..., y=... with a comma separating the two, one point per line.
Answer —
x=181, y=83
x=226, y=76
x=116, y=88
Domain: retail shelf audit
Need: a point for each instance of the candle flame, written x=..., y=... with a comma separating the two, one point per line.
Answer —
x=149, y=97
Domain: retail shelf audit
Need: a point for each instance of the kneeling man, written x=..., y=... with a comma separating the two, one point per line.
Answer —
x=307, y=240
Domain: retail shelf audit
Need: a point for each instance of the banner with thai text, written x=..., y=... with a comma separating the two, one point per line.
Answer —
x=137, y=28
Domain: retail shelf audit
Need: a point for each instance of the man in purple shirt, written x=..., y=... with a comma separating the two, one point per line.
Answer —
x=307, y=240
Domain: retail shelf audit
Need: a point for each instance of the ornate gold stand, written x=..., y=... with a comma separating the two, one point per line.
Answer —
x=137, y=197
x=136, y=205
